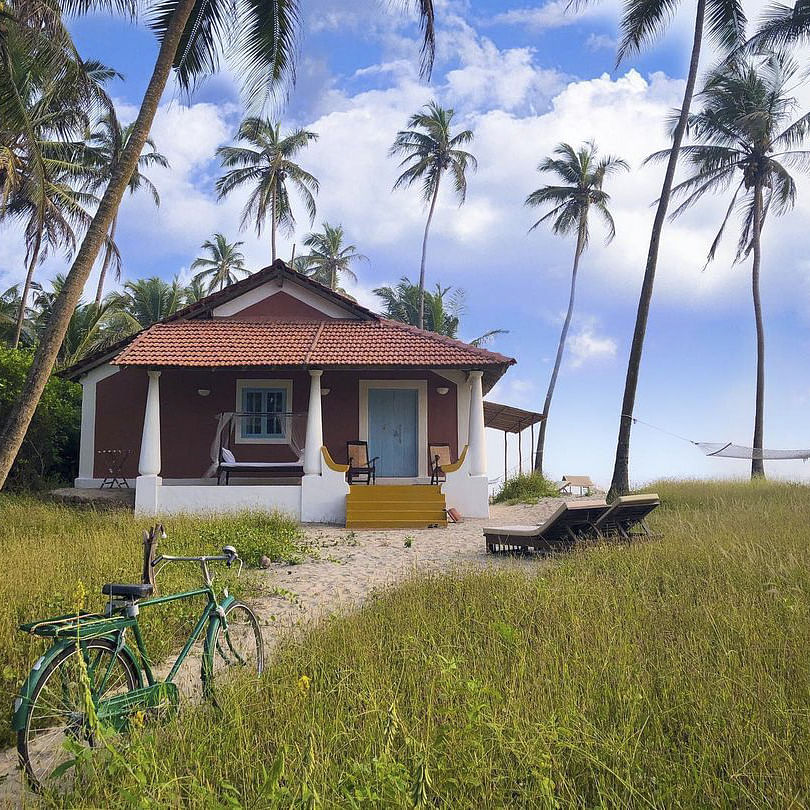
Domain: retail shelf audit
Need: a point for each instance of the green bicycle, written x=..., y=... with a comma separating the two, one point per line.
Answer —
x=90, y=651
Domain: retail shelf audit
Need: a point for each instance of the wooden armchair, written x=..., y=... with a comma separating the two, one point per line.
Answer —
x=360, y=464
x=438, y=459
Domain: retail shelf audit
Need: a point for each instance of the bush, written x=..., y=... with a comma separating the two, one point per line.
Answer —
x=526, y=488
x=50, y=451
x=256, y=535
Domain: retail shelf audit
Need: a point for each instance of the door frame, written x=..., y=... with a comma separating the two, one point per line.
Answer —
x=422, y=421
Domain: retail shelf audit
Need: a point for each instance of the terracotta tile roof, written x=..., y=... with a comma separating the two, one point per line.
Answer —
x=352, y=343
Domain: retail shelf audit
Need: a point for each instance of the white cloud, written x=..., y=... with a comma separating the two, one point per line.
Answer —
x=554, y=14
x=587, y=345
x=601, y=42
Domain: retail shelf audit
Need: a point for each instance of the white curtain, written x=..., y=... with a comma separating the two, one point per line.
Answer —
x=295, y=431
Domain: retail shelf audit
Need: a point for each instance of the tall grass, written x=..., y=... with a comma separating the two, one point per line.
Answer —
x=526, y=488
x=46, y=549
x=672, y=673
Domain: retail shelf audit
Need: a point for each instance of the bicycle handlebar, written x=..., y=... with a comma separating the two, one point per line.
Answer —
x=229, y=556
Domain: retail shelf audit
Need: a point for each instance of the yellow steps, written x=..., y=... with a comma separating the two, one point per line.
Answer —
x=388, y=506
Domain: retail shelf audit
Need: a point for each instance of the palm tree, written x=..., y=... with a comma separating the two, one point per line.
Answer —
x=224, y=264
x=267, y=167
x=40, y=152
x=103, y=151
x=93, y=327
x=328, y=258
x=643, y=21
x=582, y=174
x=782, y=26
x=744, y=139
x=429, y=149
x=442, y=312
x=144, y=302
x=192, y=33
x=194, y=291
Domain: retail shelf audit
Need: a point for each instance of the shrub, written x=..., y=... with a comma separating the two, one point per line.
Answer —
x=50, y=450
x=255, y=535
x=526, y=488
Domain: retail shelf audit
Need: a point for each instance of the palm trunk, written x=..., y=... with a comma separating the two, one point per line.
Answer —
x=273, y=226
x=105, y=266
x=621, y=469
x=29, y=276
x=65, y=304
x=424, y=255
x=757, y=464
x=538, y=458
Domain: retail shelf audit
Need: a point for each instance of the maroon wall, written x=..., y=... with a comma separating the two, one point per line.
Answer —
x=188, y=420
x=280, y=306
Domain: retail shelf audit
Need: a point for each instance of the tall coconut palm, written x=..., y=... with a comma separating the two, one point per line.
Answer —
x=429, y=149
x=442, y=312
x=193, y=34
x=40, y=148
x=643, y=21
x=224, y=264
x=328, y=258
x=744, y=139
x=267, y=168
x=104, y=149
x=581, y=173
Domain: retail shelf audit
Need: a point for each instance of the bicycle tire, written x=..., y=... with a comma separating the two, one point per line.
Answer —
x=48, y=743
x=240, y=647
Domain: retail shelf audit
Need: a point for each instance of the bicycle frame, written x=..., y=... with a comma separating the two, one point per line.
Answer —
x=212, y=615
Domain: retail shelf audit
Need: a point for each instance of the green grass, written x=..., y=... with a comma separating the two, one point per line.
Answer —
x=48, y=549
x=672, y=673
x=526, y=488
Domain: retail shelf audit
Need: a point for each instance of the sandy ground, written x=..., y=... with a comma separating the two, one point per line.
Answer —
x=345, y=567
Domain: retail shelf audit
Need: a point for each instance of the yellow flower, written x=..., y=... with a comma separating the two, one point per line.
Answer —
x=303, y=684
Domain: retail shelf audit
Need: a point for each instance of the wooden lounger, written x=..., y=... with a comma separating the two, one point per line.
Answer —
x=626, y=516
x=570, y=522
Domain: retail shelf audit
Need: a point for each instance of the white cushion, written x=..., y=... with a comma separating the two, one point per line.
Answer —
x=227, y=456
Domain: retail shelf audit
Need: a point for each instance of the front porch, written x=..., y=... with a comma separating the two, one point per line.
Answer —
x=305, y=480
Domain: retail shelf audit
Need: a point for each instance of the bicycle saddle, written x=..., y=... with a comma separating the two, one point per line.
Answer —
x=139, y=591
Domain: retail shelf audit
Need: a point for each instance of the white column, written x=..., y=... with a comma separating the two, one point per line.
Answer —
x=314, y=440
x=477, y=440
x=149, y=463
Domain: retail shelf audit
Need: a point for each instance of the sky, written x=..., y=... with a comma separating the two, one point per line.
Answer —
x=523, y=77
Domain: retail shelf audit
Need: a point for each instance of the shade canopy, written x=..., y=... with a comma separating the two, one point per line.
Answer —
x=508, y=418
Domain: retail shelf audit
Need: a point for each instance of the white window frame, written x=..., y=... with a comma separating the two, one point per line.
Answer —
x=421, y=387
x=241, y=385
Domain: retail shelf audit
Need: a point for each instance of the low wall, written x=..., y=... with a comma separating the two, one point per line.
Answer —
x=172, y=500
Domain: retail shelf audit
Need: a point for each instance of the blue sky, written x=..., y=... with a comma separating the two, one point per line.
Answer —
x=523, y=77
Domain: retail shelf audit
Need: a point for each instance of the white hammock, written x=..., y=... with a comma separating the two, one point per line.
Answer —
x=729, y=450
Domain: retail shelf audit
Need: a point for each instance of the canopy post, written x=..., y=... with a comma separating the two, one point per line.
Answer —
x=520, y=450
x=505, y=468
x=531, y=458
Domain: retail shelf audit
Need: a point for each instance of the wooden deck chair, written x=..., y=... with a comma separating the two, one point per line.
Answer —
x=626, y=517
x=583, y=482
x=438, y=458
x=571, y=522
x=360, y=464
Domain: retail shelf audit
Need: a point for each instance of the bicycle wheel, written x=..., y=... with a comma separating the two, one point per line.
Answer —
x=236, y=646
x=57, y=711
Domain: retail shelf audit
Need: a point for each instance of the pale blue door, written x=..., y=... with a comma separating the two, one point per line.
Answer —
x=393, y=431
